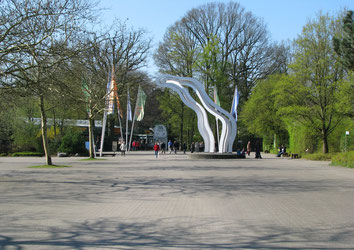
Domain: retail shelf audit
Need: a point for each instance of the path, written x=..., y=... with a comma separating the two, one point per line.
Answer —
x=139, y=202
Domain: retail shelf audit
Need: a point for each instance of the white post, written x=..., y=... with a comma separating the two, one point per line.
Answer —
x=131, y=131
x=93, y=141
x=127, y=122
x=103, y=131
x=120, y=124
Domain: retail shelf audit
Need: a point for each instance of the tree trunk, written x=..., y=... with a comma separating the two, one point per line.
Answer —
x=44, y=131
x=325, y=141
x=91, y=139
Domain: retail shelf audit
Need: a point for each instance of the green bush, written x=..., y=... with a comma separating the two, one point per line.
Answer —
x=345, y=159
x=73, y=142
x=25, y=136
x=27, y=154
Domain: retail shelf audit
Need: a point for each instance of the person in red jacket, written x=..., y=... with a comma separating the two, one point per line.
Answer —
x=156, y=149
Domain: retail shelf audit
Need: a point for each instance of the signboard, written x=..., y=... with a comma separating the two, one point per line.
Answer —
x=160, y=134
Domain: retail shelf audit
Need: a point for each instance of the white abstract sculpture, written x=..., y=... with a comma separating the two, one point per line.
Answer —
x=228, y=133
x=203, y=123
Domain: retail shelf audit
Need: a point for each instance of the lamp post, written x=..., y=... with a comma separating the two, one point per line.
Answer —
x=346, y=140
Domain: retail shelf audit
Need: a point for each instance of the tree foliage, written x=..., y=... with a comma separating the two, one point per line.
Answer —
x=260, y=112
x=344, y=44
x=222, y=45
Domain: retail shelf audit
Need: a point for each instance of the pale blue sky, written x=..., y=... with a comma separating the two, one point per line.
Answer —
x=284, y=18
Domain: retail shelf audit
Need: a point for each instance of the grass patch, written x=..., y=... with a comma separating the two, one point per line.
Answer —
x=50, y=166
x=318, y=156
x=17, y=154
x=345, y=159
x=93, y=159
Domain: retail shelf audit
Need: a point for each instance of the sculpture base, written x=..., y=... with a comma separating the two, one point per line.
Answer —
x=215, y=156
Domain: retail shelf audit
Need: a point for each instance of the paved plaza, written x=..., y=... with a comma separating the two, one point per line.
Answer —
x=173, y=202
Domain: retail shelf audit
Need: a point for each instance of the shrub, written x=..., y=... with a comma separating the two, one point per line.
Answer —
x=345, y=159
x=73, y=142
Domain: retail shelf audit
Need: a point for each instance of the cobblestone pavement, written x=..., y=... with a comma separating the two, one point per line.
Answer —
x=173, y=202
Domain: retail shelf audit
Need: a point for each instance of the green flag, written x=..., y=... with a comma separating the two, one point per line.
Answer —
x=140, y=104
x=216, y=97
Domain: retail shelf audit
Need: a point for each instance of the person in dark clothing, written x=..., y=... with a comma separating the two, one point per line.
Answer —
x=175, y=146
x=163, y=147
x=258, y=151
x=184, y=147
x=192, y=147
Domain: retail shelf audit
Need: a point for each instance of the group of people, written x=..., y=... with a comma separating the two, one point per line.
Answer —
x=136, y=145
x=171, y=146
x=197, y=147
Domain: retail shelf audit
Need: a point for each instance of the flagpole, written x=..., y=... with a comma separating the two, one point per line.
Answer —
x=104, y=121
x=120, y=123
x=131, y=131
x=103, y=131
x=93, y=141
x=127, y=119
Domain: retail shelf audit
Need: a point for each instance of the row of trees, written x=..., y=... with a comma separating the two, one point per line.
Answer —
x=315, y=100
x=296, y=94
x=223, y=46
x=52, y=57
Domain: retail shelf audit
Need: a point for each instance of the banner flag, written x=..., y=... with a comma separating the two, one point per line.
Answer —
x=235, y=104
x=139, y=110
x=216, y=97
x=115, y=90
x=110, y=97
x=129, y=108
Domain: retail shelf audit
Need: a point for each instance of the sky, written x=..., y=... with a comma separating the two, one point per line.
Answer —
x=284, y=18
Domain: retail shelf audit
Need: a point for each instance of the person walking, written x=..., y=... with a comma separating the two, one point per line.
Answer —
x=175, y=146
x=249, y=148
x=170, y=146
x=258, y=151
x=123, y=148
x=163, y=147
x=156, y=149
x=196, y=145
x=184, y=147
x=192, y=147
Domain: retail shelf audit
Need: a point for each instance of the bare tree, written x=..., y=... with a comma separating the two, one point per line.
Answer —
x=123, y=49
x=39, y=36
x=241, y=41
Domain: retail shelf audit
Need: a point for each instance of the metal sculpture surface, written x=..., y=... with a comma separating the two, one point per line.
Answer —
x=180, y=86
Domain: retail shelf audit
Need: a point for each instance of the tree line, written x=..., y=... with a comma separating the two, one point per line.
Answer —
x=54, y=63
x=295, y=93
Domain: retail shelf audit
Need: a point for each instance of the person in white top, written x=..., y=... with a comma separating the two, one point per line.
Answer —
x=123, y=148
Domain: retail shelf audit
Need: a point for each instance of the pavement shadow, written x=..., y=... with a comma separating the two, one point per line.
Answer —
x=151, y=234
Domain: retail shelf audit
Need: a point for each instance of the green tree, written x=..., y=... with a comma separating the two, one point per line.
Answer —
x=344, y=45
x=311, y=94
x=260, y=112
